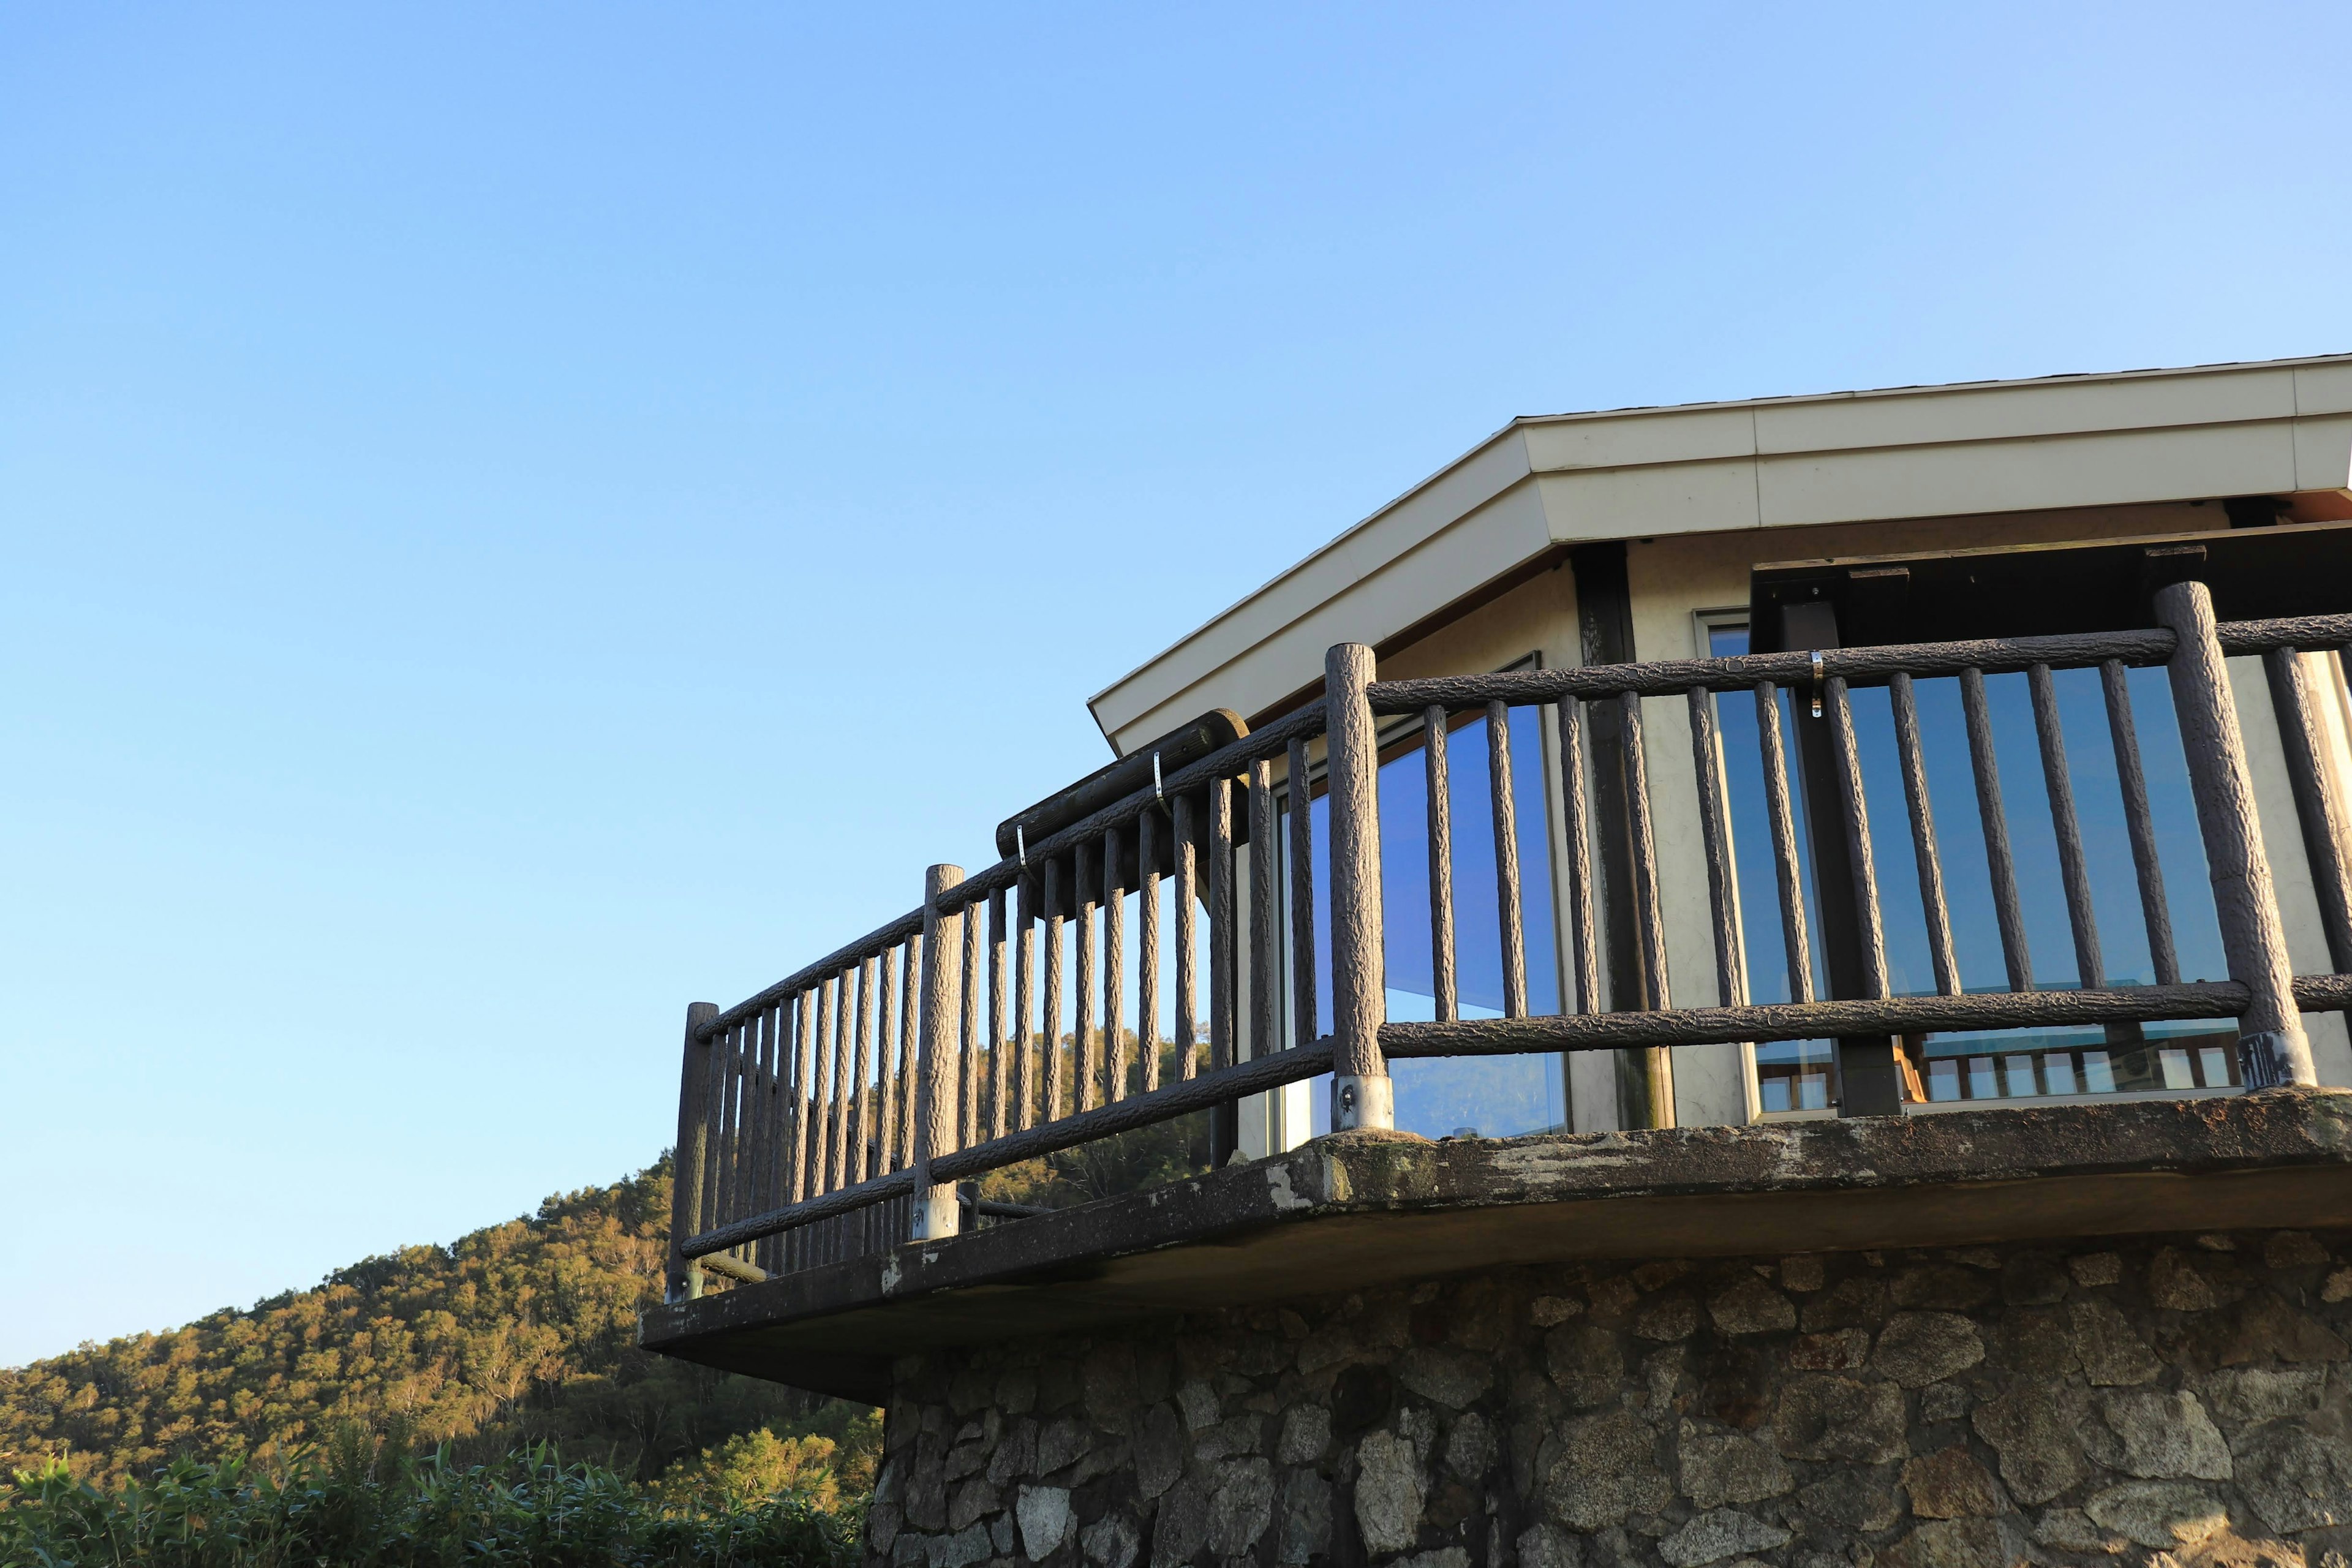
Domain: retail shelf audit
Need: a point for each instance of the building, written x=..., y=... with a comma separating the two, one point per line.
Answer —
x=1821, y=926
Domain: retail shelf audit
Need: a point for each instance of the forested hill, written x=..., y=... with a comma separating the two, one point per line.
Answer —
x=521, y=1332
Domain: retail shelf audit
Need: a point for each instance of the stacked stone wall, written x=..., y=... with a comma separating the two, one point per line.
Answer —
x=2172, y=1401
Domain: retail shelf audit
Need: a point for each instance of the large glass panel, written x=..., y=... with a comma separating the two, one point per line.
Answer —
x=2009, y=1064
x=1495, y=1097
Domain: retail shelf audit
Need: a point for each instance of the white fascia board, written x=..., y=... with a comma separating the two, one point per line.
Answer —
x=1505, y=532
x=1324, y=580
x=1906, y=452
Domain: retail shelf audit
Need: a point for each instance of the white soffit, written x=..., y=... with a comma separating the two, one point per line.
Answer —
x=2269, y=427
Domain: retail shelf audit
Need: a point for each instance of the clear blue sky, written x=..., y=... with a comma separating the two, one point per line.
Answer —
x=518, y=518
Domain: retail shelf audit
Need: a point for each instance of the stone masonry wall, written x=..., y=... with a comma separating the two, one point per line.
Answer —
x=2182, y=1400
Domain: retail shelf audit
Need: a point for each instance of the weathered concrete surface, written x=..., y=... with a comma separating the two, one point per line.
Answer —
x=1366, y=1209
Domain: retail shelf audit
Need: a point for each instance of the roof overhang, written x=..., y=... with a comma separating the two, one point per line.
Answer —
x=1514, y=504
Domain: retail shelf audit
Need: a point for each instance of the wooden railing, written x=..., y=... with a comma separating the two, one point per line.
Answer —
x=838, y=1112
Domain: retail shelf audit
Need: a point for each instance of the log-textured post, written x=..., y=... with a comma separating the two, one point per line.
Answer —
x=685, y=1280
x=938, y=1078
x=1362, y=1093
x=2271, y=1048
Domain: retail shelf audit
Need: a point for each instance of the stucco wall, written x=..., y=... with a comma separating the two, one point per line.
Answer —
x=2176, y=1400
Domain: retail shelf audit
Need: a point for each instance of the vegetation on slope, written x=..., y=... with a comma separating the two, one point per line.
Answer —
x=518, y=1335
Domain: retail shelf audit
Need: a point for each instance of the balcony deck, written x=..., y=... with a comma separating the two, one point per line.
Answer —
x=1363, y=1208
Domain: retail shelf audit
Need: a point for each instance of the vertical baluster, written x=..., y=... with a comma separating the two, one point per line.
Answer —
x=1114, y=963
x=1302, y=898
x=760, y=1145
x=1265, y=952
x=2074, y=869
x=683, y=1275
x=909, y=1048
x=1363, y=1093
x=2317, y=811
x=714, y=1146
x=1986, y=765
x=861, y=1105
x=886, y=1072
x=844, y=1022
x=822, y=1179
x=1053, y=1019
x=1024, y=1005
x=1220, y=923
x=1794, y=939
x=968, y=1034
x=1648, y=925
x=1436, y=773
x=1923, y=835
x=1506, y=860
x=1854, y=808
x=731, y=1110
x=999, y=1044
x=1722, y=887
x=1085, y=1065
x=2273, y=1048
x=1147, y=946
x=796, y=1180
x=938, y=1074
x=1184, y=844
x=2139, y=821
x=1576, y=832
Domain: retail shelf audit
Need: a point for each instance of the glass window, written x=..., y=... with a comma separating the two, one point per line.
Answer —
x=1494, y=1097
x=1992, y=1064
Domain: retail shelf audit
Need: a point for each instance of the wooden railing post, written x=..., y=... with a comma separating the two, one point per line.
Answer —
x=938, y=1078
x=684, y=1275
x=1362, y=1093
x=2271, y=1048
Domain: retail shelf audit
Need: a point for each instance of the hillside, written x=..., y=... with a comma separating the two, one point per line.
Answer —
x=519, y=1334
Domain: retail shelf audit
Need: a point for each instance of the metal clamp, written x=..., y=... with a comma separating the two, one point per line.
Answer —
x=1817, y=683
x=1155, y=777
x=1021, y=841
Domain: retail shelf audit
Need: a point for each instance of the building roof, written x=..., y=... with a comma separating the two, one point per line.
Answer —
x=1511, y=504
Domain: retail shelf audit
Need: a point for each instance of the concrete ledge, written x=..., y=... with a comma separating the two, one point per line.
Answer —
x=1360, y=1209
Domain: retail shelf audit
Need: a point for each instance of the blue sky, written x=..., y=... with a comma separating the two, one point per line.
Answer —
x=518, y=518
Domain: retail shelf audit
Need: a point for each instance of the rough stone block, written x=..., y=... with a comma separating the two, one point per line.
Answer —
x=1305, y=1532
x=1726, y=1468
x=1607, y=1470
x=1751, y=1307
x=1587, y=1363
x=2157, y=1434
x=1718, y=1533
x=1242, y=1507
x=1045, y=1519
x=1389, y=1492
x=1826, y=1418
x=2159, y=1513
x=2032, y=1427
x=1453, y=1378
x=1919, y=1348
x=1950, y=1484
x=2111, y=1350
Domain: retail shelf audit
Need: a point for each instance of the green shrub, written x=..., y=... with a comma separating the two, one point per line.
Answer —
x=359, y=1506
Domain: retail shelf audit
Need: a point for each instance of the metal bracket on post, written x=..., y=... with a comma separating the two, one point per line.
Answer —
x=2272, y=1048
x=937, y=1081
x=682, y=1280
x=1362, y=1095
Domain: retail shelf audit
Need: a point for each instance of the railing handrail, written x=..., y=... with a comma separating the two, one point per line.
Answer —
x=1856, y=666
x=1656, y=677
